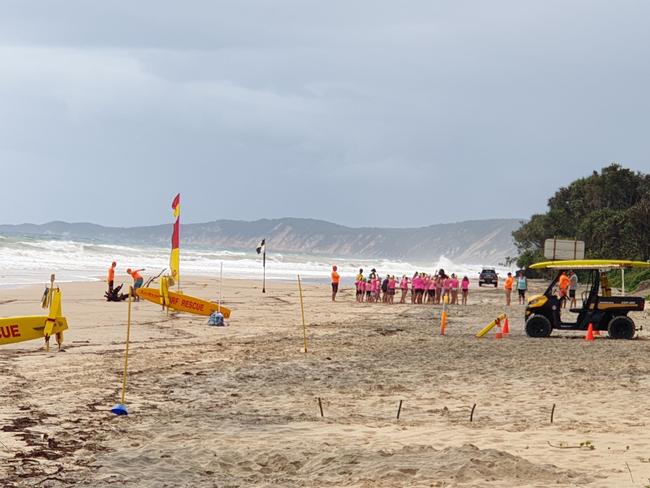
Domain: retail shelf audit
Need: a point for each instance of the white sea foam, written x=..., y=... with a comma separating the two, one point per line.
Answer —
x=25, y=261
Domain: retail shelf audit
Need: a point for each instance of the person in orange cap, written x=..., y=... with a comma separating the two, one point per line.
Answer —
x=138, y=280
x=111, y=277
x=508, y=288
x=336, y=278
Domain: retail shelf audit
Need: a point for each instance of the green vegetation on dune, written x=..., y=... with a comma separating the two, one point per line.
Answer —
x=633, y=278
x=609, y=210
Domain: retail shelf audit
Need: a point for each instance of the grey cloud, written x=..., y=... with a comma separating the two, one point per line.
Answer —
x=364, y=113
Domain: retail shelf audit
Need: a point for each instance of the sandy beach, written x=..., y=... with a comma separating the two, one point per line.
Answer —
x=238, y=405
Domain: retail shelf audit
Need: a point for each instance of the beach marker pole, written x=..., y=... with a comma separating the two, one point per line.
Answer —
x=443, y=316
x=264, y=270
x=623, y=281
x=399, y=409
x=49, y=304
x=320, y=406
x=302, y=313
x=121, y=408
x=220, y=283
x=471, y=414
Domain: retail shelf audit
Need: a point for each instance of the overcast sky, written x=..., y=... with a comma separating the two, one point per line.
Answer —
x=359, y=112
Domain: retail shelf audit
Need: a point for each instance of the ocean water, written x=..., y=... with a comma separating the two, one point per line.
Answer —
x=26, y=261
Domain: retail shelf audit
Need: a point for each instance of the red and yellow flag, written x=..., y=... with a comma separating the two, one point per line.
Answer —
x=174, y=259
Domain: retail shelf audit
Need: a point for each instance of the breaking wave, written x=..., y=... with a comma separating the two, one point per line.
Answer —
x=26, y=260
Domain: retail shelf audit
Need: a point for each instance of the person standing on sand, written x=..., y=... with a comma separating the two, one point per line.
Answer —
x=138, y=280
x=413, y=291
x=446, y=285
x=376, y=288
x=384, y=289
x=573, y=287
x=111, y=277
x=508, y=289
x=438, y=281
x=391, y=288
x=522, y=286
x=464, y=286
x=404, y=286
x=361, y=286
x=336, y=278
x=432, y=289
x=453, y=287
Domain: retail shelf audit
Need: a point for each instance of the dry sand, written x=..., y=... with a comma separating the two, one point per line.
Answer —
x=237, y=406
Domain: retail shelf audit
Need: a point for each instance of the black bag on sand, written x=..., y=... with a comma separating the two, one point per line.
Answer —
x=115, y=295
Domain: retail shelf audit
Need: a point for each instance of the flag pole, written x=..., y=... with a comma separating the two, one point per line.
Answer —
x=261, y=249
x=264, y=271
x=178, y=282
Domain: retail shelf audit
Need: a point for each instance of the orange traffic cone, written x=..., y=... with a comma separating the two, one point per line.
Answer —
x=506, y=329
x=590, y=333
x=498, y=334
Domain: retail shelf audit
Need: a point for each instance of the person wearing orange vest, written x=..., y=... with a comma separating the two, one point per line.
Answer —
x=565, y=281
x=111, y=277
x=508, y=288
x=336, y=278
x=137, y=279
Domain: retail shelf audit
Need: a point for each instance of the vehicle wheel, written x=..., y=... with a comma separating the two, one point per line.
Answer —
x=621, y=327
x=495, y=285
x=538, y=326
x=480, y=284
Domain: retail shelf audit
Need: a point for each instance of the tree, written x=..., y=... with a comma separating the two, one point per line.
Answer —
x=609, y=210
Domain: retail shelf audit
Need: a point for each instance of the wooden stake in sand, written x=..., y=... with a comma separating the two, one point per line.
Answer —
x=471, y=414
x=320, y=406
x=121, y=408
x=552, y=412
x=399, y=409
x=304, y=327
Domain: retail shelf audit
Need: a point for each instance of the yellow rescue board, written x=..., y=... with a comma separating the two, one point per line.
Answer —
x=490, y=326
x=591, y=264
x=19, y=329
x=182, y=303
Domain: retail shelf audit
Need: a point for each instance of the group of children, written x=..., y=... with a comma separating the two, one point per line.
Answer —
x=433, y=289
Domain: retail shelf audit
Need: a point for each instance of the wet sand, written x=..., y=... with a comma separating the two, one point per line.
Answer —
x=238, y=405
